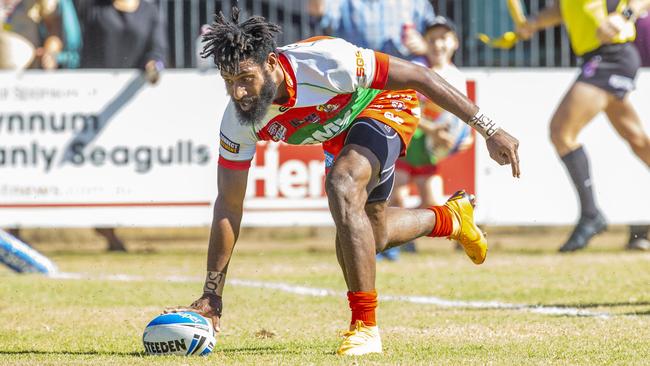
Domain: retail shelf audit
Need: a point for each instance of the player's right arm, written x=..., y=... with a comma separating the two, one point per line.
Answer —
x=237, y=148
x=550, y=16
x=226, y=221
x=402, y=74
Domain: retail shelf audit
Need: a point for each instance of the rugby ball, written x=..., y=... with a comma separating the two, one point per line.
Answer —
x=183, y=333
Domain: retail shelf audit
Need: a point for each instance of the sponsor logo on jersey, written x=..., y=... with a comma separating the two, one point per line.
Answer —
x=361, y=67
x=398, y=105
x=397, y=96
x=394, y=118
x=328, y=130
x=296, y=122
x=312, y=118
x=329, y=159
x=327, y=108
x=283, y=109
x=277, y=131
x=228, y=144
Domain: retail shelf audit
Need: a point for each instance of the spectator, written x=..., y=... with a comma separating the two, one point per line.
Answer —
x=122, y=34
x=22, y=38
x=25, y=18
x=69, y=57
x=390, y=26
x=433, y=140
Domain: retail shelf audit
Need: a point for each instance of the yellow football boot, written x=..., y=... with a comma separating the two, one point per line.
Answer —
x=465, y=230
x=360, y=340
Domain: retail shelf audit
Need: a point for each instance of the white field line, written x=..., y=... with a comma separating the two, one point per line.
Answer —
x=321, y=292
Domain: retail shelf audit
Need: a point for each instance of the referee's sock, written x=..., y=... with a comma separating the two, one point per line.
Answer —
x=577, y=164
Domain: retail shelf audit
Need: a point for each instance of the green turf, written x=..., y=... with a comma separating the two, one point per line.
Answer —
x=92, y=322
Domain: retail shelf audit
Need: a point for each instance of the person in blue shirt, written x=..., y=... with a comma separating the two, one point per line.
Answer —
x=394, y=27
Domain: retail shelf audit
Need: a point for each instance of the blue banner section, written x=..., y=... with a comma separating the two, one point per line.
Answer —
x=22, y=258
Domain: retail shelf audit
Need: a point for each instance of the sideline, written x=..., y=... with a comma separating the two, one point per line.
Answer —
x=321, y=292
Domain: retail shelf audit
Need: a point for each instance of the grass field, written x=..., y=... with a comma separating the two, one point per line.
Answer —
x=100, y=321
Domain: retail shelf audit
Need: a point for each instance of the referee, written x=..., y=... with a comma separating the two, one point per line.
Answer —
x=601, y=33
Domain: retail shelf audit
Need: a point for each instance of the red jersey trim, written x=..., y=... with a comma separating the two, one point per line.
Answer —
x=234, y=165
x=290, y=80
x=381, y=71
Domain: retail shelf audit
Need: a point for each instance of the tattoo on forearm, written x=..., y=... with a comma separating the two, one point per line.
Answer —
x=483, y=125
x=214, y=282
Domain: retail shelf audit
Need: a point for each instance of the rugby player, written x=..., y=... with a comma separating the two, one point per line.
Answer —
x=361, y=106
x=601, y=32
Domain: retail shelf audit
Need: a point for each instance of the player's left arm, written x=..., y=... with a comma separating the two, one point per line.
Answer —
x=403, y=74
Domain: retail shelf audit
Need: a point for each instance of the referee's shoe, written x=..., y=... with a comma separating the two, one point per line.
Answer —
x=586, y=229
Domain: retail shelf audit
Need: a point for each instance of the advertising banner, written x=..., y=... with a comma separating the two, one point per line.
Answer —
x=82, y=149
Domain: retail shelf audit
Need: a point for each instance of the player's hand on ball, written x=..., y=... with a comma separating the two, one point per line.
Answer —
x=503, y=149
x=208, y=305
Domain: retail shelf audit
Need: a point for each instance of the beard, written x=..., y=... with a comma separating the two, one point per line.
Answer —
x=259, y=104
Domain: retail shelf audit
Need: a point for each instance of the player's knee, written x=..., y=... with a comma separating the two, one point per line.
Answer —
x=342, y=186
x=380, y=244
x=559, y=139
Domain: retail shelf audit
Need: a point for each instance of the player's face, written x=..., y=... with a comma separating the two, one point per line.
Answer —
x=442, y=44
x=252, y=90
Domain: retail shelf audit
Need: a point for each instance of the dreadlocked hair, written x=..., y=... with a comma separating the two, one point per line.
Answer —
x=231, y=42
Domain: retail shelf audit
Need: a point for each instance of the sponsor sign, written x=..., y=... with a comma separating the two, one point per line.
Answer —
x=81, y=148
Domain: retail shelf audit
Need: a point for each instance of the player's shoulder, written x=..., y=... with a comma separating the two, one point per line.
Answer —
x=231, y=127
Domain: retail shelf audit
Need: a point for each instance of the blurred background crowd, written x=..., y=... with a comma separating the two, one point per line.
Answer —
x=78, y=32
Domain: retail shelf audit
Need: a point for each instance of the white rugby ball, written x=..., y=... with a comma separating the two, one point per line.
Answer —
x=182, y=333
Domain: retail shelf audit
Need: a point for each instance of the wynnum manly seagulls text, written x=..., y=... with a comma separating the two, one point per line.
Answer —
x=37, y=153
x=141, y=158
x=30, y=123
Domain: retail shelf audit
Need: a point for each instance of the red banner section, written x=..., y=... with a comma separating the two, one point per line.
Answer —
x=287, y=171
x=459, y=170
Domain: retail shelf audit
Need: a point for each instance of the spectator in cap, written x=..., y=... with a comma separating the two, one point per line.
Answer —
x=433, y=140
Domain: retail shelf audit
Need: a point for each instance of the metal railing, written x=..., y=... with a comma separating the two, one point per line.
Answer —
x=550, y=48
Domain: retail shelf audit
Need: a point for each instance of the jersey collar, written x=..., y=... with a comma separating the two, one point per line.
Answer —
x=289, y=79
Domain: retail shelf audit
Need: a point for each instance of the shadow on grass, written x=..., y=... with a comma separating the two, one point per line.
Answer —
x=638, y=313
x=263, y=350
x=73, y=353
x=599, y=304
x=252, y=350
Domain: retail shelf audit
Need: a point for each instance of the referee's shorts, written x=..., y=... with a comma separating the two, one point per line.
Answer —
x=611, y=67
